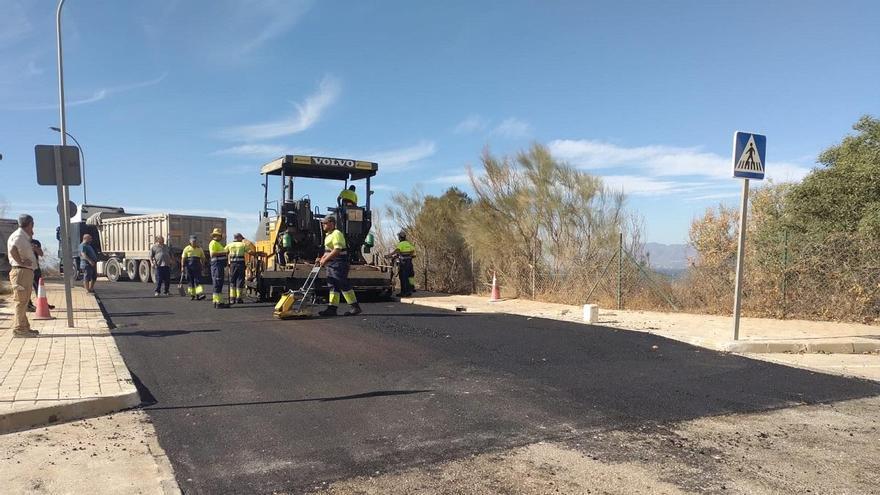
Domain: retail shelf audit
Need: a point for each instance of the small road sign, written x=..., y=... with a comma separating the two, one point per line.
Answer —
x=70, y=166
x=749, y=155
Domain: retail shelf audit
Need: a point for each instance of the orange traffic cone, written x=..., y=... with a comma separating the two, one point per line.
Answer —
x=496, y=291
x=42, y=303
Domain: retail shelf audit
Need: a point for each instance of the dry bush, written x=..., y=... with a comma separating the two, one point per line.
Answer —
x=542, y=226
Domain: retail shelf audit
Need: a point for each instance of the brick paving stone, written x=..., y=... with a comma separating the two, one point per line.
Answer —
x=64, y=365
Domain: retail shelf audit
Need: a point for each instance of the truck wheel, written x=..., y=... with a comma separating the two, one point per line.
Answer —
x=113, y=269
x=145, y=271
x=131, y=269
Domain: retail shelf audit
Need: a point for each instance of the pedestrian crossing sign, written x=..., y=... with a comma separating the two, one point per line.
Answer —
x=749, y=155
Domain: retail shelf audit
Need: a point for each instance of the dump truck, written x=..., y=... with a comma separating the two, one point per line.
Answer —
x=123, y=240
x=273, y=270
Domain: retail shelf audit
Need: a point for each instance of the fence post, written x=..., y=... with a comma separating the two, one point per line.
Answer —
x=620, y=272
x=784, y=270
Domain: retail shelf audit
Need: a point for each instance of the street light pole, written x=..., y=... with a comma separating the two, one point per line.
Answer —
x=63, y=191
x=82, y=162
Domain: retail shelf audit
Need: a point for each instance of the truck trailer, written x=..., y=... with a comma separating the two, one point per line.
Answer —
x=123, y=240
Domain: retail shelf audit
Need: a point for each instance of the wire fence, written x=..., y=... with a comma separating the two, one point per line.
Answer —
x=786, y=275
x=812, y=276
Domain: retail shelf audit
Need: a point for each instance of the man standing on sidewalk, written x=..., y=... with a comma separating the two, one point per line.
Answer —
x=23, y=262
x=88, y=263
x=160, y=258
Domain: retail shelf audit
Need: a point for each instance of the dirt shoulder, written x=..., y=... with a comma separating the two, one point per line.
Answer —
x=117, y=453
x=827, y=449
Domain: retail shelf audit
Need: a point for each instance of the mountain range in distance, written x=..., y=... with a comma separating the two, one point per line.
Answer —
x=671, y=259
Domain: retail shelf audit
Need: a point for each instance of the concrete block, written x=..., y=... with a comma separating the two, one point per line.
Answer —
x=591, y=313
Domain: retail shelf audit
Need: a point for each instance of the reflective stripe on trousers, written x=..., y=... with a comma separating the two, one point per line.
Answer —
x=236, y=278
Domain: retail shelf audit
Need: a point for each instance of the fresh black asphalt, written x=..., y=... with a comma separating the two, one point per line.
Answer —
x=244, y=403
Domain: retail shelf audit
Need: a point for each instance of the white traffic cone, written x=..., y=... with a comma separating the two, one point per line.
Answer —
x=42, y=303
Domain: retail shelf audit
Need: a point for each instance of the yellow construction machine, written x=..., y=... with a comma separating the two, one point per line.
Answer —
x=281, y=265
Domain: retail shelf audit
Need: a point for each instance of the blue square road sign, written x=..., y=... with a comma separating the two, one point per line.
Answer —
x=749, y=155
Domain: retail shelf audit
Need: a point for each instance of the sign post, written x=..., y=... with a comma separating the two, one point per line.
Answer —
x=749, y=157
x=59, y=166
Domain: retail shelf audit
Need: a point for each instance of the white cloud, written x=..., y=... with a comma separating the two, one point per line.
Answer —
x=786, y=172
x=648, y=186
x=659, y=160
x=384, y=187
x=100, y=94
x=401, y=158
x=705, y=197
x=257, y=150
x=306, y=115
x=452, y=180
x=266, y=20
x=513, y=128
x=473, y=123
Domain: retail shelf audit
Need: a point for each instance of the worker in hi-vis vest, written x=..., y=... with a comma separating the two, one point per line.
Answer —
x=404, y=252
x=218, y=266
x=335, y=259
x=237, y=249
x=191, y=261
x=348, y=197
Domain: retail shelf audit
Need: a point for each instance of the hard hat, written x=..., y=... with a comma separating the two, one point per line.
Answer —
x=238, y=236
x=328, y=218
x=216, y=232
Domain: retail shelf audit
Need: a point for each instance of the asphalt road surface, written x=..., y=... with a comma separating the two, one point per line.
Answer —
x=243, y=403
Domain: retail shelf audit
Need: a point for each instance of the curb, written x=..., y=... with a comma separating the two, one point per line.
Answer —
x=79, y=409
x=862, y=346
x=801, y=347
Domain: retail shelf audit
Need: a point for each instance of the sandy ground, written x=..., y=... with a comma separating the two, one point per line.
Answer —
x=113, y=454
x=823, y=449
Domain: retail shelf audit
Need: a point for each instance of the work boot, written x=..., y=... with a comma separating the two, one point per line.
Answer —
x=330, y=311
x=200, y=297
x=355, y=310
x=155, y=294
x=25, y=334
x=239, y=301
x=31, y=308
x=192, y=298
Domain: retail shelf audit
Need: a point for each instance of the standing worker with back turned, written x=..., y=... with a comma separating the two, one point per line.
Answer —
x=336, y=260
x=237, y=251
x=218, y=266
x=405, y=252
x=160, y=258
x=191, y=260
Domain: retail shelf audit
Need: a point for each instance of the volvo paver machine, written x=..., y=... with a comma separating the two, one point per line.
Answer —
x=276, y=268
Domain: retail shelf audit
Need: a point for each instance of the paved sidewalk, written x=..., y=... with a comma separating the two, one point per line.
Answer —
x=853, y=347
x=65, y=373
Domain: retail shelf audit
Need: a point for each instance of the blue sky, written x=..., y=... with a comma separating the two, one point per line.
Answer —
x=178, y=103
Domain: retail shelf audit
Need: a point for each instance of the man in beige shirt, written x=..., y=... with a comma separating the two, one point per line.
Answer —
x=23, y=261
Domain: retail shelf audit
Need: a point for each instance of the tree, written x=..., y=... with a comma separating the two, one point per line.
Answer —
x=838, y=197
x=539, y=223
x=434, y=225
